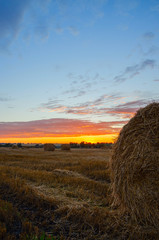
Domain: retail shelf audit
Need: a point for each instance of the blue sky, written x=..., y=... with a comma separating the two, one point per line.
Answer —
x=87, y=60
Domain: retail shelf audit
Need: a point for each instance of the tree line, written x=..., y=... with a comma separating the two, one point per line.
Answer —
x=91, y=145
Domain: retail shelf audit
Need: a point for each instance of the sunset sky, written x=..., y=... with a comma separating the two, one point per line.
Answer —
x=75, y=70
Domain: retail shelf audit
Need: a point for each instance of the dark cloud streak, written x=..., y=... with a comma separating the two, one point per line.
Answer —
x=149, y=35
x=134, y=70
x=5, y=99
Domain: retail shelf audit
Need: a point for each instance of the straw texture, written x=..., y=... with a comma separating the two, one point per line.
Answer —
x=65, y=147
x=134, y=167
x=49, y=147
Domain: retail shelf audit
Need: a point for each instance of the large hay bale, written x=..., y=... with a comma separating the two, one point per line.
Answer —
x=49, y=147
x=65, y=147
x=135, y=167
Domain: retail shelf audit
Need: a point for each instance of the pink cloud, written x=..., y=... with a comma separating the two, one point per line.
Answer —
x=124, y=111
x=58, y=127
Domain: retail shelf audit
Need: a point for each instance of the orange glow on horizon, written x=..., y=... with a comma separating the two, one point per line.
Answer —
x=92, y=138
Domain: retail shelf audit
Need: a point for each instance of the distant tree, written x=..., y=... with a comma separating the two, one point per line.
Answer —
x=19, y=145
x=74, y=145
x=82, y=144
x=37, y=146
x=8, y=145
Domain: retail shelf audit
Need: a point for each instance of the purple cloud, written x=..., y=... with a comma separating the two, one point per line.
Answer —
x=57, y=127
x=134, y=70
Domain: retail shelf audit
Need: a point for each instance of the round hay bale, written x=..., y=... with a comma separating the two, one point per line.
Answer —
x=14, y=147
x=49, y=147
x=134, y=167
x=65, y=147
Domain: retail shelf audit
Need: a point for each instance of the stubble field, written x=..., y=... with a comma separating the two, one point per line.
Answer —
x=58, y=195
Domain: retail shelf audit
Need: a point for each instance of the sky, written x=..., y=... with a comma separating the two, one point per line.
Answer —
x=75, y=70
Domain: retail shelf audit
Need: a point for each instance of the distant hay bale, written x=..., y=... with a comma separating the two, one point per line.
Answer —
x=14, y=147
x=49, y=147
x=65, y=147
x=134, y=167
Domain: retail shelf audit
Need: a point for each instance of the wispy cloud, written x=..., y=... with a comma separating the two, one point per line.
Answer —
x=123, y=27
x=42, y=31
x=151, y=51
x=59, y=29
x=148, y=52
x=58, y=127
x=76, y=91
x=148, y=35
x=127, y=110
x=78, y=77
x=13, y=20
x=64, y=127
x=85, y=77
x=155, y=8
x=51, y=104
x=99, y=107
x=5, y=99
x=141, y=66
x=134, y=70
x=124, y=7
x=55, y=105
x=80, y=93
x=11, y=16
x=73, y=30
x=26, y=18
x=80, y=84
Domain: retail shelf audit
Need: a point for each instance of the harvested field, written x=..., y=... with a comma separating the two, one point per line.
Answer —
x=62, y=195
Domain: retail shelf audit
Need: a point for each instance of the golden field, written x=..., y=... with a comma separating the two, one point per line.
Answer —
x=59, y=195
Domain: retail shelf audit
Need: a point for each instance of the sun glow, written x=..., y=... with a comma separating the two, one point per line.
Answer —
x=92, y=138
